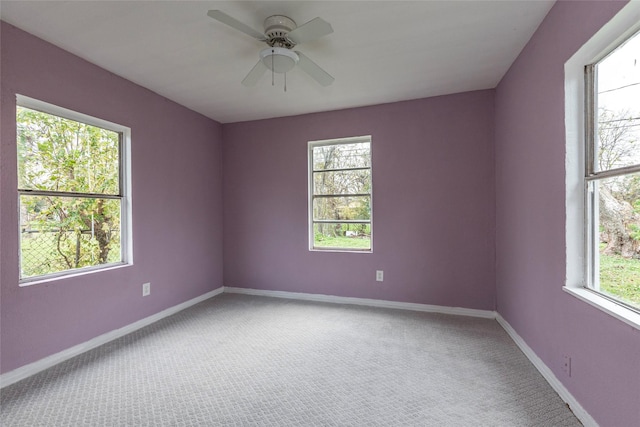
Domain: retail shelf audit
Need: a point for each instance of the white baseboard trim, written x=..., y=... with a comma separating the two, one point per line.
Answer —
x=548, y=375
x=25, y=371
x=459, y=311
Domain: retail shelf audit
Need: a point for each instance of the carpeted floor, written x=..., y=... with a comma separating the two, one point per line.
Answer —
x=242, y=360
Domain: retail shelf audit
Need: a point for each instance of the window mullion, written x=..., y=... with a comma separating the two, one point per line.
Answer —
x=342, y=169
x=590, y=118
x=342, y=221
x=328, y=196
x=611, y=173
x=68, y=194
x=121, y=161
x=590, y=144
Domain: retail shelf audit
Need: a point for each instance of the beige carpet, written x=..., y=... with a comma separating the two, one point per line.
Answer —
x=242, y=361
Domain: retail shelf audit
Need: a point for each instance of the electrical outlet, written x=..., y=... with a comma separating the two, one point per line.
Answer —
x=379, y=275
x=146, y=289
x=566, y=364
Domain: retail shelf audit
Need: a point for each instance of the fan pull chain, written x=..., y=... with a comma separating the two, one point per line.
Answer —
x=273, y=81
x=285, y=82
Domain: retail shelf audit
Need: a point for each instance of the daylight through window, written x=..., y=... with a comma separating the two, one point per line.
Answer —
x=340, y=194
x=71, y=190
x=613, y=174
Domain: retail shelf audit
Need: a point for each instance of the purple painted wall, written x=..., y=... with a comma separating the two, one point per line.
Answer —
x=433, y=203
x=530, y=234
x=177, y=197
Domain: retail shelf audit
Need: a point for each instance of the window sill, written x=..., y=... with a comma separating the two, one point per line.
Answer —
x=620, y=312
x=343, y=250
x=68, y=275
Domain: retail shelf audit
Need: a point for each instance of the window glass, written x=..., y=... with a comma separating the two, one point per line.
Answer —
x=342, y=156
x=59, y=154
x=342, y=182
x=343, y=236
x=340, y=194
x=618, y=219
x=618, y=105
x=342, y=208
x=66, y=233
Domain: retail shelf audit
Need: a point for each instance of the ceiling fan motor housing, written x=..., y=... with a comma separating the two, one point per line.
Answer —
x=276, y=28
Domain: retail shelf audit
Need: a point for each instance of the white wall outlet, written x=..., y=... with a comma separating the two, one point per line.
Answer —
x=146, y=289
x=379, y=275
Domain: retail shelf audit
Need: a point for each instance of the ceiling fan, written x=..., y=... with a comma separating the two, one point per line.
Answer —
x=281, y=34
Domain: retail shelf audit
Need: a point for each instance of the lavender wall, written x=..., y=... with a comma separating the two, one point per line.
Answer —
x=530, y=234
x=433, y=203
x=177, y=197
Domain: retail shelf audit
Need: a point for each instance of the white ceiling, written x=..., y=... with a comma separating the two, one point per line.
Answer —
x=380, y=51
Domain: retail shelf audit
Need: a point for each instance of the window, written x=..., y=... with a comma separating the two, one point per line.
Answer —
x=340, y=195
x=613, y=174
x=602, y=164
x=72, y=191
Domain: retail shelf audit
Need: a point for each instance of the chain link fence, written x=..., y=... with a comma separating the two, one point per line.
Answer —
x=45, y=252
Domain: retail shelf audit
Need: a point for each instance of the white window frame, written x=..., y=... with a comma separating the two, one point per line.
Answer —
x=126, y=237
x=578, y=264
x=338, y=141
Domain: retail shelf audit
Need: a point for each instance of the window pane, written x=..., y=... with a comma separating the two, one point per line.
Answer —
x=618, y=252
x=57, y=154
x=342, y=236
x=618, y=103
x=342, y=156
x=342, y=182
x=66, y=233
x=342, y=208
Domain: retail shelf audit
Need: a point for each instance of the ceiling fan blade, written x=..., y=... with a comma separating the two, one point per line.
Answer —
x=254, y=75
x=310, y=31
x=311, y=68
x=219, y=15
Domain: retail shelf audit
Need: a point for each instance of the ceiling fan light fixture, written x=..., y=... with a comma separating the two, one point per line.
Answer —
x=278, y=59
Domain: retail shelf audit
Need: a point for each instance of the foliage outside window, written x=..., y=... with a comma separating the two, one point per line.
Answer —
x=613, y=174
x=340, y=194
x=71, y=192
